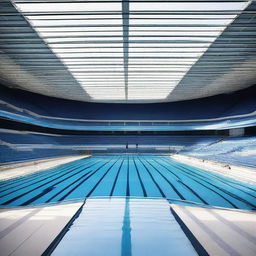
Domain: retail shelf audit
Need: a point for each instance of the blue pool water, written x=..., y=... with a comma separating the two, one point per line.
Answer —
x=127, y=175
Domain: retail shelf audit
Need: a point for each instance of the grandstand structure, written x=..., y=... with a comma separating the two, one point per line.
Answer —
x=128, y=127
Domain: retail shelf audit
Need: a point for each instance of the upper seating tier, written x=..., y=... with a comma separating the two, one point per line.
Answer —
x=218, y=112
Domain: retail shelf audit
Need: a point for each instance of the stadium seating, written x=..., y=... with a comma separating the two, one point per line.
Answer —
x=238, y=151
x=10, y=154
x=237, y=108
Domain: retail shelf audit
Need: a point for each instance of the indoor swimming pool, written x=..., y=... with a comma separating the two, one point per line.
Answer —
x=127, y=175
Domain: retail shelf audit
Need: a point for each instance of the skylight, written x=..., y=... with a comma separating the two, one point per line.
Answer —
x=134, y=52
x=85, y=40
x=178, y=31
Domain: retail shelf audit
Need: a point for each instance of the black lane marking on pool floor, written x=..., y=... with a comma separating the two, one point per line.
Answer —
x=153, y=179
x=167, y=180
x=222, y=180
x=198, y=182
x=98, y=182
x=47, y=174
x=82, y=181
x=140, y=180
x=115, y=181
x=205, y=179
x=148, y=175
x=33, y=176
x=42, y=194
x=81, y=169
x=180, y=181
x=127, y=179
x=61, y=173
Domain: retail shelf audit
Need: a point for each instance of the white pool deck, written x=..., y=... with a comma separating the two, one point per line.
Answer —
x=116, y=226
x=29, y=231
x=240, y=173
x=221, y=232
x=21, y=169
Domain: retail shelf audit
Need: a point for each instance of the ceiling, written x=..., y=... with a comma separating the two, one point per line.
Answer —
x=128, y=51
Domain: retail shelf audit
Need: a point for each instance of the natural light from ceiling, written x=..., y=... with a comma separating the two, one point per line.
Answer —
x=164, y=41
